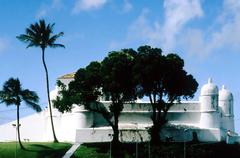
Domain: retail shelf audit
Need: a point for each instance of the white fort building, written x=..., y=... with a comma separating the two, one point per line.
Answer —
x=210, y=119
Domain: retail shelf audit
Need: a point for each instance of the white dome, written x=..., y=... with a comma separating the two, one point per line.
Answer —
x=209, y=88
x=225, y=94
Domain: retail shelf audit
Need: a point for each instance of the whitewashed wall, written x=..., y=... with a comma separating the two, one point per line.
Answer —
x=32, y=129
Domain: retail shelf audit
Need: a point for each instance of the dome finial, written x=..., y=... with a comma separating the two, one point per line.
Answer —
x=210, y=80
x=209, y=88
x=223, y=87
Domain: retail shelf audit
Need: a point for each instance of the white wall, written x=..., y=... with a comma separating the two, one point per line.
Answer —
x=32, y=128
x=103, y=134
x=94, y=135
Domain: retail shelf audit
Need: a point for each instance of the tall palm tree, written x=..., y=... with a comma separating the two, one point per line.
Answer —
x=41, y=35
x=14, y=94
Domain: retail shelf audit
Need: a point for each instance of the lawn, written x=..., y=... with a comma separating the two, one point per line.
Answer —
x=34, y=150
x=92, y=150
x=101, y=150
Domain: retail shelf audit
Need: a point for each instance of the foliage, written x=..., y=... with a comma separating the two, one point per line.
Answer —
x=163, y=80
x=111, y=77
x=84, y=90
x=41, y=35
x=124, y=75
x=14, y=94
x=117, y=77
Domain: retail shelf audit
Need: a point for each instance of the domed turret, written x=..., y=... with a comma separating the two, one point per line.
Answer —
x=226, y=109
x=209, y=89
x=209, y=96
x=225, y=94
x=209, y=106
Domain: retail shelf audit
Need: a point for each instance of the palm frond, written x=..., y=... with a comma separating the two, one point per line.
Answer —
x=33, y=105
x=31, y=33
x=56, y=45
x=28, y=95
x=12, y=85
x=50, y=27
x=25, y=38
x=32, y=45
x=5, y=97
x=10, y=92
x=34, y=28
x=54, y=38
x=13, y=93
x=40, y=35
x=42, y=25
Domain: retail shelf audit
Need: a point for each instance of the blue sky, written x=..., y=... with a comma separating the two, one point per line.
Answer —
x=206, y=34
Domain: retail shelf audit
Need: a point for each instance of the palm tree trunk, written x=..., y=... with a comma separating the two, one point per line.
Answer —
x=18, y=129
x=48, y=94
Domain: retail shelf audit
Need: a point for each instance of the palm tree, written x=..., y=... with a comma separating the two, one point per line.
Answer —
x=41, y=35
x=14, y=94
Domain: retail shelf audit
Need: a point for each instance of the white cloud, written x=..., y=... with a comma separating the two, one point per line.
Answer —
x=226, y=36
x=46, y=9
x=194, y=42
x=176, y=15
x=3, y=44
x=127, y=6
x=228, y=33
x=223, y=31
x=85, y=5
x=41, y=13
x=141, y=29
x=57, y=4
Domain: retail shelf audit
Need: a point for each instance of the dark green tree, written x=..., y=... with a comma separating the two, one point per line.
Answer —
x=118, y=84
x=111, y=77
x=14, y=94
x=41, y=35
x=84, y=90
x=163, y=80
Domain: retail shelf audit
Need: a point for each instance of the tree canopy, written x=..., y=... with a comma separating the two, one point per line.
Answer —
x=112, y=77
x=125, y=75
x=163, y=80
x=41, y=35
x=13, y=94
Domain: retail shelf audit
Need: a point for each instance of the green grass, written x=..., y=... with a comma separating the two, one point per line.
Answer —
x=34, y=150
x=92, y=150
x=101, y=150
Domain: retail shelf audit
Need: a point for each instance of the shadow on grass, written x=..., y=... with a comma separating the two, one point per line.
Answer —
x=42, y=151
x=39, y=146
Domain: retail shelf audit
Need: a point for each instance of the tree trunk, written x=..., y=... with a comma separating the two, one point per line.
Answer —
x=115, y=135
x=154, y=130
x=159, y=120
x=115, y=142
x=48, y=94
x=18, y=129
x=155, y=134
